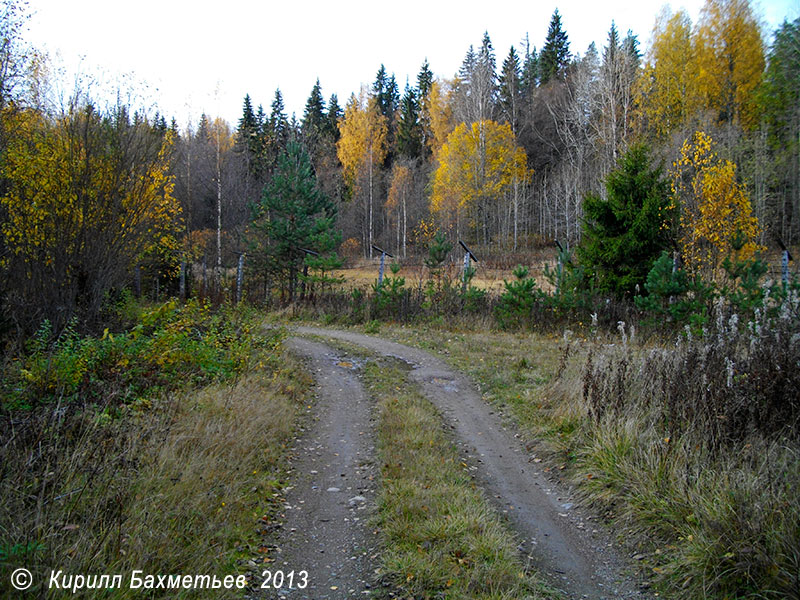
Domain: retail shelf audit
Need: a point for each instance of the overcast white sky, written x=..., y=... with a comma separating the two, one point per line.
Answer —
x=203, y=56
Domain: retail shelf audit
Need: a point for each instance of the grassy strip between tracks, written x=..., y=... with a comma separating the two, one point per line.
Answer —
x=441, y=537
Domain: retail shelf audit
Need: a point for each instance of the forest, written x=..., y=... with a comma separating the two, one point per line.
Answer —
x=505, y=155
x=637, y=203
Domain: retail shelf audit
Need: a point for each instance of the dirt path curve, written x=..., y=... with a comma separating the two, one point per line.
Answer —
x=567, y=547
x=325, y=532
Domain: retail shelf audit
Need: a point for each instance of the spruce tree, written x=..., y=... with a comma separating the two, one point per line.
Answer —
x=424, y=79
x=386, y=94
x=248, y=121
x=334, y=114
x=274, y=133
x=554, y=57
x=248, y=131
x=278, y=123
x=625, y=234
x=467, y=66
x=530, y=71
x=314, y=121
x=409, y=130
x=510, y=90
x=424, y=84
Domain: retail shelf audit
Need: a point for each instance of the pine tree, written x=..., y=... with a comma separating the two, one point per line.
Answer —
x=293, y=216
x=554, y=57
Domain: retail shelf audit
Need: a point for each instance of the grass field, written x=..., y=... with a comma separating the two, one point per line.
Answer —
x=489, y=275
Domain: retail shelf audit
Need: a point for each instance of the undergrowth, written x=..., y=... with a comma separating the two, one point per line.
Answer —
x=158, y=448
x=166, y=346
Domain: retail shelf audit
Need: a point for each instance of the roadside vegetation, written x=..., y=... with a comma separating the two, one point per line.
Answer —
x=654, y=361
x=692, y=459
x=157, y=447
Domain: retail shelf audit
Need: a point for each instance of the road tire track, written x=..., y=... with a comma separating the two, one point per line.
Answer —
x=580, y=559
x=325, y=530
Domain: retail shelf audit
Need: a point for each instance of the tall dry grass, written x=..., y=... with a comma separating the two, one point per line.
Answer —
x=178, y=485
x=695, y=449
x=689, y=445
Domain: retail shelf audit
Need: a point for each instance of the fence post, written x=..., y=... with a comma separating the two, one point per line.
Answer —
x=464, y=275
x=468, y=255
x=785, y=268
x=384, y=254
x=239, y=278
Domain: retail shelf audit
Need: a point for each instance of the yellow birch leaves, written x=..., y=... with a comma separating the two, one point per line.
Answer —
x=478, y=165
x=363, y=137
x=713, y=69
x=716, y=216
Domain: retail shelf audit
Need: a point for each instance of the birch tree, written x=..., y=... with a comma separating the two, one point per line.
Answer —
x=478, y=166
x=361, y=149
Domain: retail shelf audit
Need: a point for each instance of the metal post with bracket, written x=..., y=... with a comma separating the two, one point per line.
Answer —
x=384, y=254
x=465, y=275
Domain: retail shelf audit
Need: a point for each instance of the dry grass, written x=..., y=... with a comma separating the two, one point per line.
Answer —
x=364, y=272
x=712, y=508
x=177, y=486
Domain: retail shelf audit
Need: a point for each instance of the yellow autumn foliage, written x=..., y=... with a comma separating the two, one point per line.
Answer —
x=730, y=60
x=716, y=216
x=440, y=109
x=478, y=165
x=713, y=69
x=363, y=130
x=75, y=188
x=667, y=87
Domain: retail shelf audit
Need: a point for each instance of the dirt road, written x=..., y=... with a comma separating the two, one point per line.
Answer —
x=570, y=550
x=325, y=537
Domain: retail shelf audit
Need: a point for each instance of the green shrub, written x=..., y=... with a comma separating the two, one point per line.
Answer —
x=170, y=345
x=389, y=295
x=671, y=294
x=517, y=302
